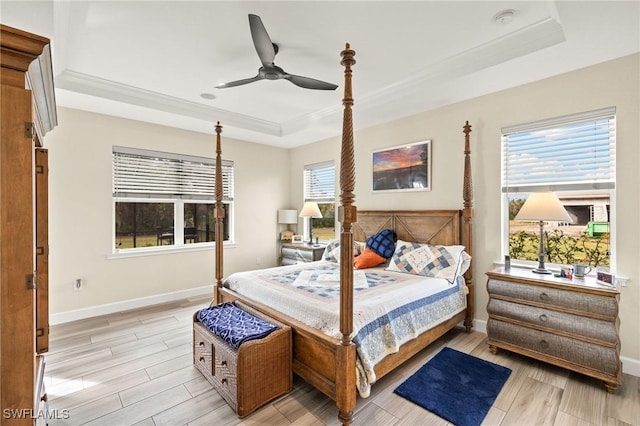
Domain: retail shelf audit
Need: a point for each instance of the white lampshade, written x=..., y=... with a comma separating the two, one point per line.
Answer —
x=543, y=206
x=311, y=209
x=287, y=216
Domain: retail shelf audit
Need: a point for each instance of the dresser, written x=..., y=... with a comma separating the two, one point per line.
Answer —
x=291, y=254
x=569, y=323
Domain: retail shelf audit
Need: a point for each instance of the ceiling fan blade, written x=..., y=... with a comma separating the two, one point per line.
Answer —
x=310, y=83
x=239, y=82
x=261, y=41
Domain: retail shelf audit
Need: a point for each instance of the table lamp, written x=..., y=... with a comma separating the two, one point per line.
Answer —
x=287, y=217
x=310, y=210
x=541, y=207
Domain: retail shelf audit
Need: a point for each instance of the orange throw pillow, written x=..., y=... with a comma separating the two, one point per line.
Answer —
x=368, y=259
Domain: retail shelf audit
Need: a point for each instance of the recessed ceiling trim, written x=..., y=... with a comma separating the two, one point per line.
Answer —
x=544, y=33
x=539, y=35
x=95, y=86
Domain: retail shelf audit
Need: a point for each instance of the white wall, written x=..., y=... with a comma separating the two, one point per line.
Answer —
x=614, y=83
x=81, y=212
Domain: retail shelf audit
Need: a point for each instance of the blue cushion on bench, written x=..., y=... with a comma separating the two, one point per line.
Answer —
x=233, y=325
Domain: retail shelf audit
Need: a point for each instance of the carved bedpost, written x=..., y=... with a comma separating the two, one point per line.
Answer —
x=467, y=215
x=347, y=213
x=219, y=216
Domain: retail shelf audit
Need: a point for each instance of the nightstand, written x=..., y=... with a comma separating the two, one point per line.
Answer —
x=569, y=323
x=291, y=254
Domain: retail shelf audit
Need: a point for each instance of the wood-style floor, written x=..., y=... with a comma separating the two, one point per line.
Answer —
x=135, y=368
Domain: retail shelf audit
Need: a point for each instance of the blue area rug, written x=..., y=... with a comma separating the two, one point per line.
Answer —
x=457, y=387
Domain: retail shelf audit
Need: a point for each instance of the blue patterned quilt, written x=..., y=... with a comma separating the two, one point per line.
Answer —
x=389, y=308
x=233, y=325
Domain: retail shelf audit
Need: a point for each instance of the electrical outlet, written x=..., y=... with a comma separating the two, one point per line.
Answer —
x=621, y=281
x=78, y=284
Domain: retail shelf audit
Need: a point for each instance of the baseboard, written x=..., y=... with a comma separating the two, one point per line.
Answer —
x=629, y=365
x=126, y=305
x=480, y=325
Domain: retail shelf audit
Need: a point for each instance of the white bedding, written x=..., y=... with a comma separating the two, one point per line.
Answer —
x=390, y=308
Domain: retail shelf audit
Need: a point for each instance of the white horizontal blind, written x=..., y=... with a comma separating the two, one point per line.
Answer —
x=320, y=182
x=149, y=174
x=574, y=152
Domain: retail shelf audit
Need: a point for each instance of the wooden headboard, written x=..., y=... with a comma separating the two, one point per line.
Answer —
x=421, y=226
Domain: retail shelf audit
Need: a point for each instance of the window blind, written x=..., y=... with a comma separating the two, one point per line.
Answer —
x=149, y=174
x=320, y=182
x=574, y=152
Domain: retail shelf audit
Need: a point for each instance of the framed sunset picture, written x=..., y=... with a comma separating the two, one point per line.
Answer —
x=403, y=168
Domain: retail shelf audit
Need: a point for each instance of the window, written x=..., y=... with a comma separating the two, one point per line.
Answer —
x=320, y=186
x=163, y=199
x=574, y=156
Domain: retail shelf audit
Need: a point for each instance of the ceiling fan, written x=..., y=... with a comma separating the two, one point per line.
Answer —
x=267, y=51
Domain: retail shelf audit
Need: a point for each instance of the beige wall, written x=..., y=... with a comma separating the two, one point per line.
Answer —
x=614, y=83
x=81, y=211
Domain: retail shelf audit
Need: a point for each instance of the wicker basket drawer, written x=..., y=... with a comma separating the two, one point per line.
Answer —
x=599, y=358
x=604, y=332
x=581, y=303
x=226, y=372
x=257, y=372
x=202, y=349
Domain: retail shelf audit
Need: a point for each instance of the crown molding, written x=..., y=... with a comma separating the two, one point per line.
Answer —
x=95, y=86
x=392, y=98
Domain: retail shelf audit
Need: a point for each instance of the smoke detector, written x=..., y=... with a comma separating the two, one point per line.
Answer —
x=504, y=17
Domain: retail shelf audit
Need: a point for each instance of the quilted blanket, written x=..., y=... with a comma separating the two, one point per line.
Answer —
x=233, y=325
x=390, y=308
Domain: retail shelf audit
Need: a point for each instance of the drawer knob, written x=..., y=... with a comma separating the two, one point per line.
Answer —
x=544, y=343
x=201, y=359
x=201, y=344
x=544, y=296
x=224, y=381
x=543, y=318
x=223, y=363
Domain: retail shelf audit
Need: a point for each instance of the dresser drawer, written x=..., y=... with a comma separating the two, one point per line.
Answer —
x=289, y=261
x=602, y=359
x=594, y=305
x=602, y=332
x=294, y=253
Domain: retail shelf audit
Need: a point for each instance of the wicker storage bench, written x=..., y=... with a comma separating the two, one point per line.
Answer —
x=254, y=374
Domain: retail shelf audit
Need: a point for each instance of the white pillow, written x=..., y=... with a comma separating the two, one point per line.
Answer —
x=430, y=260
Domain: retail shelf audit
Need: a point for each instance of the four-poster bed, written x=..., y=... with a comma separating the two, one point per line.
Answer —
x=329, y=362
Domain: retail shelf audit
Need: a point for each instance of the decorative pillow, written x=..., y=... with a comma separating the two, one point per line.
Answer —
x=368, y=259
x=383, y=243
x=430, y=261
x=332, y=251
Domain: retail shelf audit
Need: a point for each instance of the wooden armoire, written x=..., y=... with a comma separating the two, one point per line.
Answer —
x=27, y=112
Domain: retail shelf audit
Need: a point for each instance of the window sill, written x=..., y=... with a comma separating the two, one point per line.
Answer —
x=155, y=251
